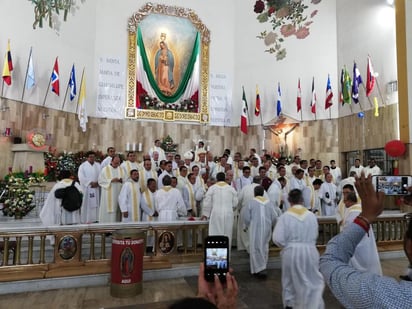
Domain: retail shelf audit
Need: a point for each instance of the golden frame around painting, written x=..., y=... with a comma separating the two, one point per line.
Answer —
x=201, y=115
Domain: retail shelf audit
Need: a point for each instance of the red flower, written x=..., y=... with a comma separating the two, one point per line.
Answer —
x=259, y=6
x=271, y=10
x=302, y=33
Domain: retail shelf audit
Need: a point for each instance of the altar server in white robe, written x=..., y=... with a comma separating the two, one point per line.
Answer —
x=296, y=231
x=129, y=198
x=146, y=173
x=218, y=205
x=327, y=194
x=244, y=197
x=366, y=257
x=169, y=202
x=148, y=207
x=110, y=180
x=52, y=212
x=259, y=218
x=88, y=174
x=130, y=163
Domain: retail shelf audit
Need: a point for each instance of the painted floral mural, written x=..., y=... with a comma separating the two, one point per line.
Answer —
x=287, y=18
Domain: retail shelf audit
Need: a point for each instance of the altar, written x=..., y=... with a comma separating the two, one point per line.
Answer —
x=27, y=158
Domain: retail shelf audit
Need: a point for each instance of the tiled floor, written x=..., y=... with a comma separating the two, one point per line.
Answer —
x=254, y=293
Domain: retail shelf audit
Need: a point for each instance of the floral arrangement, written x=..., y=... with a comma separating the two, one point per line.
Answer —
x=287, y=18
x=18, y=196
x=66, y=162
x=167, y=145
x=188, y=105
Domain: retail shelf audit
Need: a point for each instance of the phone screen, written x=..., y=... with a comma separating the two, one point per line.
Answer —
x=216, y=257
x=393, y=185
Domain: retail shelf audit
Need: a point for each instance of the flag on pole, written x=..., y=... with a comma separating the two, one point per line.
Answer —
x=313, y=100
x=82, y=104
x=30, y=78
x=72, y=84
x=347, y=82
x=279, y=102
x=8, y=65
x=243, y=117
x=55, y=84
x=357, y=80
x=299, y=97
x=370, y=78
x=329, y=94
x=257, y=105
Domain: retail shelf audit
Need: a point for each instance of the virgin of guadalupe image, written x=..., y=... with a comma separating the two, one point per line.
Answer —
x=126, y=262
x=164, y=65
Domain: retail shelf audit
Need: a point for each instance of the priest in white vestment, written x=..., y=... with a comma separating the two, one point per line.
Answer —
x=297, y=182
x=148, y=207
x=146, y=173
x=88, y=175
x=169, y=202
x=328, y=196
x=366, y=257
x=130, y=164
x=52, y=212
x=296, y=231
x=129, y=198
x=192, y=195
x=218, y=205
x=259, y=218
x=110, y=180
x=111, y=152
x=156, y=148
x=244, y=197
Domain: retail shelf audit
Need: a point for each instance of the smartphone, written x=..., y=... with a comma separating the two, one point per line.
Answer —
x=392, y=185
x=216, y=257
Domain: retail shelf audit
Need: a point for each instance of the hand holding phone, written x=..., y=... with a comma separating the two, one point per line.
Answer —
x=392, y=185
x=216, y=258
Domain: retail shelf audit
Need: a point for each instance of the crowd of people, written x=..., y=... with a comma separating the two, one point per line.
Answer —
x=250, y=199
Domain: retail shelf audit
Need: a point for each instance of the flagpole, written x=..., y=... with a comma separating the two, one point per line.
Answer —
x=78, y=99
x=380, y=93
x=48, y=87
x=27, y=71
x=67, y=89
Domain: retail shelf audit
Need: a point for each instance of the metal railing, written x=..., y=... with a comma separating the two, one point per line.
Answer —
x=69, y=250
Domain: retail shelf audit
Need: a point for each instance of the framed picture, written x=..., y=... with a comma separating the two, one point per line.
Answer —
x=168, y=65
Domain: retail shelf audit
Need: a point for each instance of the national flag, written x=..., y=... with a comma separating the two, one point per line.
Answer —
x=279, y=102
x=257, y=105
x=72, y=84
x=347, y=82
x=357, y=80
x=370, y=78
x=313, y=100
x=55, y=83
x=299, y=97
x=243, y=117
x=329, y=94
x=30, y=78
x=8, y=66
x=342, y=82
x=82, y=115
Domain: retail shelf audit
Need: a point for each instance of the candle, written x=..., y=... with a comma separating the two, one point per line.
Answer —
x=208, y=148
x=30, y=169
x=10, y=169
x=134, y=147
x=140, y=147
x=127, y=146
x=46, y=171
x=7, y=132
